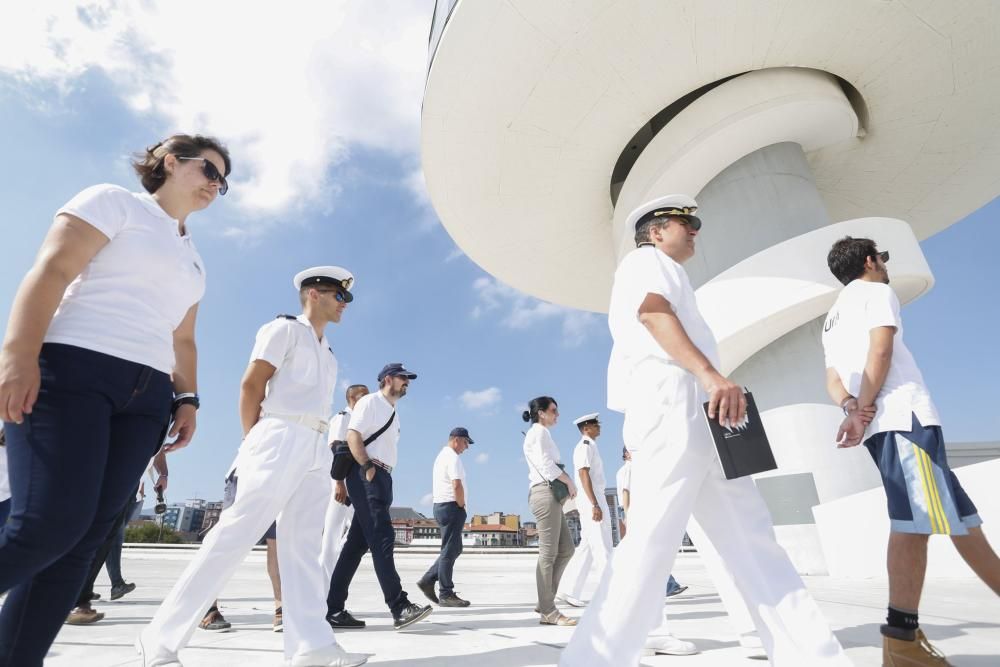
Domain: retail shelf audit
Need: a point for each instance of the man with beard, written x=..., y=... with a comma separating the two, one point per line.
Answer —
x=372, y=435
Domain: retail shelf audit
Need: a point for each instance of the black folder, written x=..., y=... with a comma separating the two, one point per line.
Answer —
x=744, y=449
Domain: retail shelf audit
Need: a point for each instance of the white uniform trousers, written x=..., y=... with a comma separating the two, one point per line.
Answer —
x=335, y=525
x=593, y=551
x=284, y=472
x=675, y=473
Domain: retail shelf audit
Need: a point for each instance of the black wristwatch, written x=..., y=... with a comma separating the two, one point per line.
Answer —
x=186, y=399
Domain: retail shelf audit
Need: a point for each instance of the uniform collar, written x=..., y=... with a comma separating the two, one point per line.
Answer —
x=302, y=319
x=153, y=206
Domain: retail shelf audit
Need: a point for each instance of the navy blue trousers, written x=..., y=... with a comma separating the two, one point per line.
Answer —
x=73, y=463
x=371, y=527
x=451, y=519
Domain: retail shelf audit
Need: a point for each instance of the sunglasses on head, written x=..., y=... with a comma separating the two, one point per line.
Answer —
x=211, y=173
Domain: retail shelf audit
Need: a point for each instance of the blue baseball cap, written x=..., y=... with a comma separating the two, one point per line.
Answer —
x=395, y=369
x=461, y=432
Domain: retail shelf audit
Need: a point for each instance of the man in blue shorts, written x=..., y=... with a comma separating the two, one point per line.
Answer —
x=872, y=375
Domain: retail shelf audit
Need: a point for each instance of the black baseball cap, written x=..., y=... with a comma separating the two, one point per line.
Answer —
x=395, y=369
x=461, y=432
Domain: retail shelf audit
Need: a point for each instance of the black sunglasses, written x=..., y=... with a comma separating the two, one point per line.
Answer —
x=211, y=172
x=884, y=256
x=338, y=295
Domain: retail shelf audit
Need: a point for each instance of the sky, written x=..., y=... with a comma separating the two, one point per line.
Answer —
x=319, y=103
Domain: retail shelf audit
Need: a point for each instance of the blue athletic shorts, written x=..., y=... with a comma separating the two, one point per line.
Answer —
x=924, y=495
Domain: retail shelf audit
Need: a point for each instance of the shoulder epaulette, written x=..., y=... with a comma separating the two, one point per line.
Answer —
x=286, y=317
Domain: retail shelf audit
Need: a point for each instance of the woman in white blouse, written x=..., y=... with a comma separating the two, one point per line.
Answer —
x=98, y=352
x=555, y=543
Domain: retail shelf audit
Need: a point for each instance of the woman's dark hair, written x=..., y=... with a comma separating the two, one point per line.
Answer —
x=539, y=404
x=847, y=258
x=148, y=164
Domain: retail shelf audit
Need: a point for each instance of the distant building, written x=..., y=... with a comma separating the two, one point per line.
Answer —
x=493, y=535
x=404, y=520
x=509, y=520
x=212, y=512
x=186, y=518
x=573, y=521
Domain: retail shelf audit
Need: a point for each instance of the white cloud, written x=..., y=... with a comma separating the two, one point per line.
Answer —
x=427, y=499
x=482, y=457
x=520, y=312
x=289, y=86
x=481, y=400
x=454, y=254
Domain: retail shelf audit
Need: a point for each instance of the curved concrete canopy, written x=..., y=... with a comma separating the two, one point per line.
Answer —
x=528, y=106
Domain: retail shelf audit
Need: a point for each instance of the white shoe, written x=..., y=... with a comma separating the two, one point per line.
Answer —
x=570, y=600
x=669, y=645
x=752, y=644
x=156, y=656
x=329, y=656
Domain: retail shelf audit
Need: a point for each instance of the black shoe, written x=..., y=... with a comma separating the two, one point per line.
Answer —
x=343, y=620
x=95, y=596
x=427, y=588
x=411, y=615
x=452, y=600
x=121, y=590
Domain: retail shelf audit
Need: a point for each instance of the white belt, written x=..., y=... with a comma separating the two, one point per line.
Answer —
x=317, y=424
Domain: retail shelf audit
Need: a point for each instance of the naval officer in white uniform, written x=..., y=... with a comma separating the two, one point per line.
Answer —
x=284, y=469
x=662, y=368
x=341, y=510
x=595, y=518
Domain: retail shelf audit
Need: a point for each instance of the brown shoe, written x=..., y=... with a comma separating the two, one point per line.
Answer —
x=917, y=652
x=215, y=622
x=83, y=616
x=556, y=618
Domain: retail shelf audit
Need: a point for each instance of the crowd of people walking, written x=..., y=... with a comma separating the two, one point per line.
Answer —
x=98, y=381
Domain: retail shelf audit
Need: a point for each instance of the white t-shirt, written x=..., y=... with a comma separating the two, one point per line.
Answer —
x=542, y=455
x=137, y=289
x=371, y=412
x=4, y=481
x=645, y=271
x=447, y=468
x=624, y=481
x=338, y=425
x=306, y=369
x=861, y=307
x=585, y=455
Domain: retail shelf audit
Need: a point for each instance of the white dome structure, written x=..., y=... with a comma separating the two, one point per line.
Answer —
x=792, y=124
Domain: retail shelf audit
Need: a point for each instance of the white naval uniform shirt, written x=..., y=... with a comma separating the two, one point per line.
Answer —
x=338, y=426
x=306, y=368
x=860, y=307
x=586, y=455
x=447, y=468
x=623, y=481
x=644, y=271
x=136, y=290
x=542, y=455
x=371, y=412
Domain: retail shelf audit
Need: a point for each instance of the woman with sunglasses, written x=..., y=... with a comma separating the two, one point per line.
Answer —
x=545, y=473
x=99, y=350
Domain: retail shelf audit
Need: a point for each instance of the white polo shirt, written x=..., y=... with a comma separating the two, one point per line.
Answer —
x=644, y=271
x=624, y=481
x=137, y=289
x=338, y=426
x=371, y=412
x=860, y=307
x=542, y=455
x=306, y=368
x=4, y=480
x=447, y=468
x=585, y=455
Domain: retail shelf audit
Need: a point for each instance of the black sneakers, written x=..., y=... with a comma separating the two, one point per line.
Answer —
x=452, y=600
x=410, y=615
x=427, y=588
x=343, y=620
